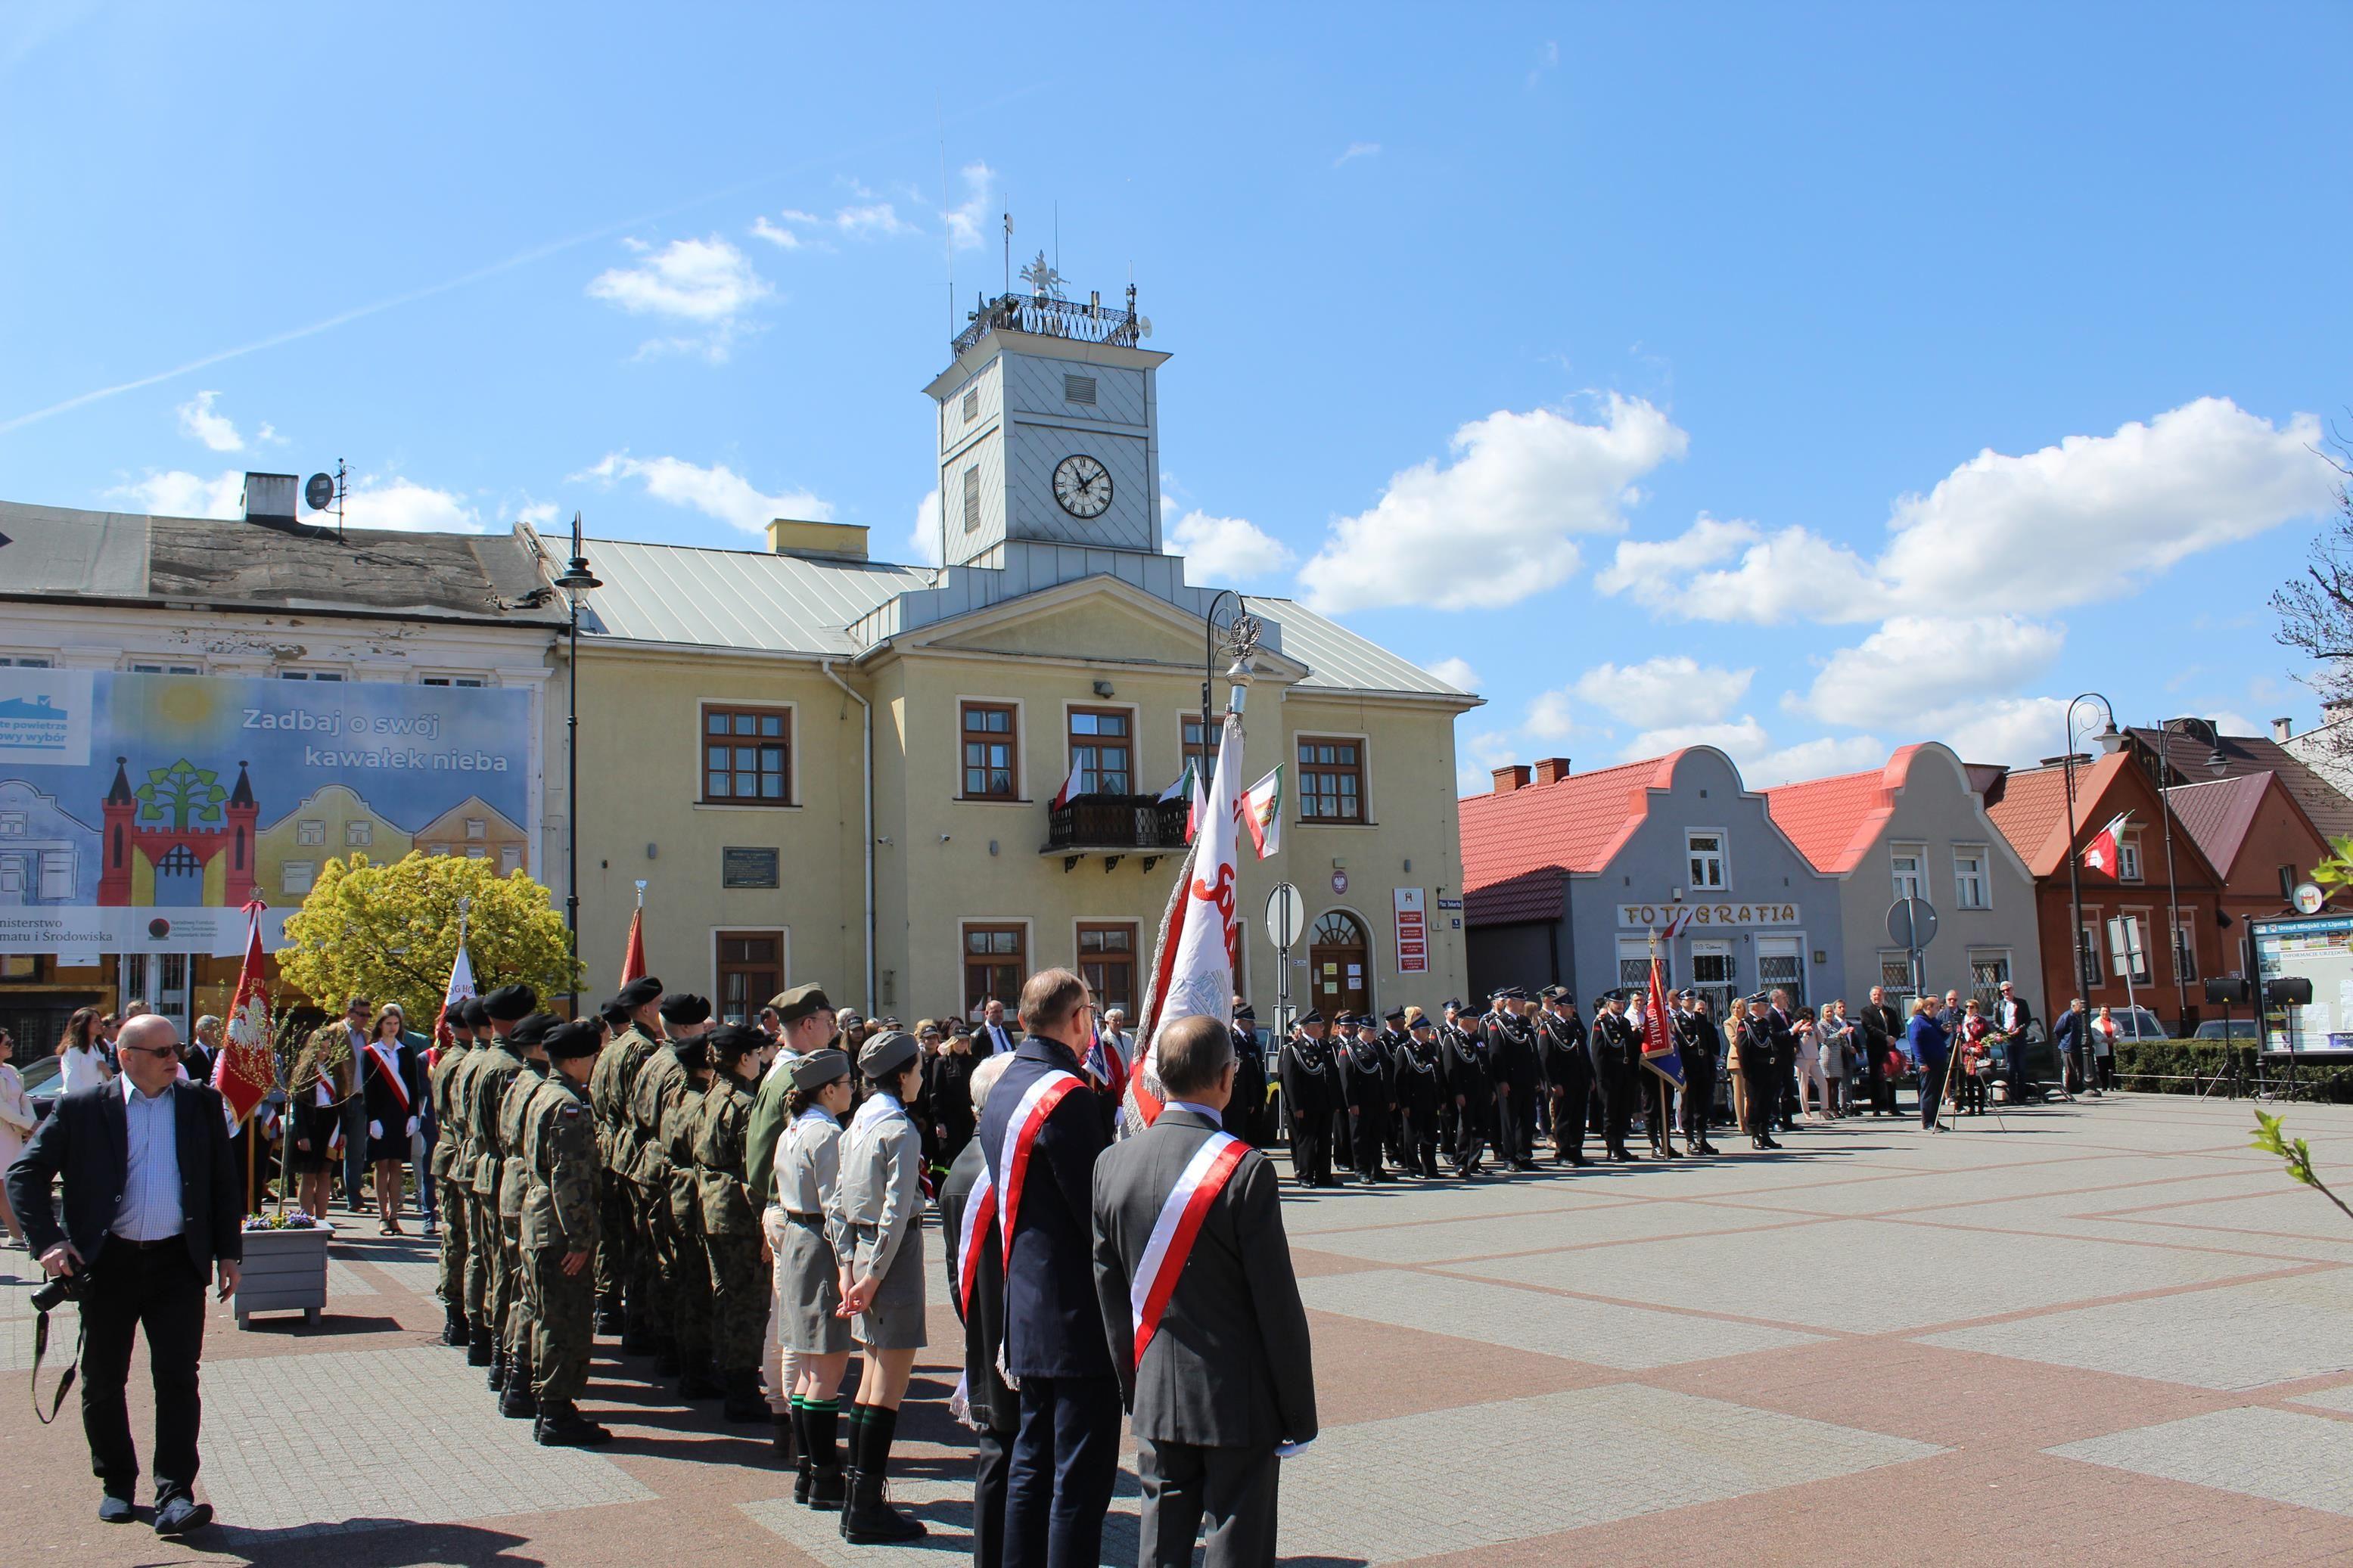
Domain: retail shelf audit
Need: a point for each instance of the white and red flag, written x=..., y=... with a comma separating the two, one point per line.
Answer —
x=1192, y=970
x=1262, y=812
x=1068, y=792
x=461, y=990
x=2102, y=853
x=247, y=1070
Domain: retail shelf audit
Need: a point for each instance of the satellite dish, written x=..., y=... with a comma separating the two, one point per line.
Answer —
x=1144, y=325
x=320, y=492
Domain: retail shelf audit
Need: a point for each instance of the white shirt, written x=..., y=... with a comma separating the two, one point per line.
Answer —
x=83, y=1068
x=150, y=1210
x=1000, y=1039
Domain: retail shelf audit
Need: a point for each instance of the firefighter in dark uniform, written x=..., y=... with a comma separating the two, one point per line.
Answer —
x=1393, y=1038
x=1760, y=1068
x=1310, y=1089
x=1617, y=1073
x=1448, y=1116
x=1564, y=1058
x=1419, y=1087
x=1469, y=1089
x=1245, y=1116
x=1511, y=1062
x=1695, y=1043
x=1366, y=1090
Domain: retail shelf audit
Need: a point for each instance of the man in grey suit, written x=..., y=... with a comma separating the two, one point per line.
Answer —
x=1226, y=1385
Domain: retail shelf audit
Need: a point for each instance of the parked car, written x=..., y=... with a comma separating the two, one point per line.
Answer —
x=2137, y=1024
x=40, y=1080
x=2230, y=1030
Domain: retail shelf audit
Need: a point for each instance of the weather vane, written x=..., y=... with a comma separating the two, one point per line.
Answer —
x=1041, y=277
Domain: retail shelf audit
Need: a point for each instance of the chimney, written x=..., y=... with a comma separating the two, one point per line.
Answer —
x=817, y=541
x=269, y=498
x=1551, y=770
x=1514, y=777
x=2282, y=730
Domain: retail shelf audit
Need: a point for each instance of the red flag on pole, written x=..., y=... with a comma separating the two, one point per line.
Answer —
x=244, y=1071
x=633, y=958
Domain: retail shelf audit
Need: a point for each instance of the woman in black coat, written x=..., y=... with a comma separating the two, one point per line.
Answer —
x=392, y=1081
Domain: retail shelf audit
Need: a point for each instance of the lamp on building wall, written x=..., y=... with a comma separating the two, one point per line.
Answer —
x=575, y=584
x=2075, y=881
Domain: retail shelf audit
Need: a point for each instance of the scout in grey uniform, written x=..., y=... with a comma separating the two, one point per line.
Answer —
x=876, y=1224
x=810, y=1322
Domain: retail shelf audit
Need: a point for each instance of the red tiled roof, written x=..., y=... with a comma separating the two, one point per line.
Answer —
x=1834, y=821
x=1518, y=847
x=2218, y=813
x=2031, y=808
x=2330, y=812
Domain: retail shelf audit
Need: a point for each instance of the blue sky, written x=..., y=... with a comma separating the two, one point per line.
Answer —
x=1804, y=381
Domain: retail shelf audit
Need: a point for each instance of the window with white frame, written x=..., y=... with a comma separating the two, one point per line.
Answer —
x=2129, y=860
x=26, y=660
x=1971, y=887
x=1704, y=854
x=1634, y=964
x=298, y=876
x=57, y=876
x=149, y=668
x=358, y=835
x=1910, y=864
x=310, y=675
x=510, y=859
x=12, y=824
x=1989, y=968
x=450, y=680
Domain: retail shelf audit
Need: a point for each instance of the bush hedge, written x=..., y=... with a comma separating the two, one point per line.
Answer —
x=2169, y=1067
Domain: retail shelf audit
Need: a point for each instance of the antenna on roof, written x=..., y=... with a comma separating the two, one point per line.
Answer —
x=325, y=491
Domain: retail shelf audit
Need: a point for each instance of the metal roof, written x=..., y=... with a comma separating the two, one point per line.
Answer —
x=1338, y=659
x=54, y=549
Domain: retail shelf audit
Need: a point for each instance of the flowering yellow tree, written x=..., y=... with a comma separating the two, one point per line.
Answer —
x=390, y=932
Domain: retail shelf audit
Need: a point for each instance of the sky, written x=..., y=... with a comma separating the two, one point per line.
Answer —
x=1805, y=382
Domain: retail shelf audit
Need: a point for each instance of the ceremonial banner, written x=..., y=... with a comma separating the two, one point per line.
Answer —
x=1262, y=812
x=633, y=956
x=244, y=1071
x=1193, y=961
x=1659, y=1053
x=460, y=990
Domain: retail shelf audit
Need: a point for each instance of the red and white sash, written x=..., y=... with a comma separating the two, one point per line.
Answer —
x=389, y=1064
x=1020, y=1136
x=1172, y=1234
x=979, y=1214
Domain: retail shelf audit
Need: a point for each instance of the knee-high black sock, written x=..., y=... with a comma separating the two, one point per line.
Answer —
x=821, y=1417
x=875, y=1434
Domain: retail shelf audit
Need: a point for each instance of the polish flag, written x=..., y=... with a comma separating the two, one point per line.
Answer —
x=1193, y=962
x=2100, y=853
x=461, y=990
x=1070, y=789
x=1262, y=812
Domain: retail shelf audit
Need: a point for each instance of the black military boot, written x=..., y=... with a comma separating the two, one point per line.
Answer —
x=496, y=1361
x=561, y=1426
x=610, y=1319
x=478, y=1349
x=792, y=1450
x=697, y=1380
x=517, y=1403
x=868, y=1519
x=740, y=1388
x=454, y=1331
x=819, y=1424
x=666, y=1357
x=637, y=1336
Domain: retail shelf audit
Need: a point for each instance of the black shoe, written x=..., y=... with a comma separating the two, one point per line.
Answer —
x=667, y=1363
x=114, y=1509
x=1769, y=1143
x=181, y=1515
x=1759, y=1144
x=827, y=1489
x=498, y=1365
x=561, y=1426
x=478, y=1344
x=610, y=1322
x=518, y=1403
x=637, y=1341
x=453, y=1330
x=745, y=1404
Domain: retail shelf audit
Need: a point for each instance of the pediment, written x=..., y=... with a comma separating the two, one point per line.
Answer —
x=1093, y=618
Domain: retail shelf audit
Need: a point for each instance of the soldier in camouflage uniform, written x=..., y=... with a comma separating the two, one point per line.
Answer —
x=463, y=1020
x=682, y=1294
x=530, y=1037
x=731, y=1226
x=486, y=1085
x=689, y=1303
x=561, y=1174
x=624, y=1262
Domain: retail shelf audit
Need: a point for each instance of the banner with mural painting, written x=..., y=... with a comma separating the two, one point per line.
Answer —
x=139, y=813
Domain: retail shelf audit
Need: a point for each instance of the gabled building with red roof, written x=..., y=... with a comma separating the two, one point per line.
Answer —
x=1917, y=827
x=1568, y=876
x=2252, y=828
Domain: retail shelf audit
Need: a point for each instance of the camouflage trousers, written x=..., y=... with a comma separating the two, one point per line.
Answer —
x=559, y=1312
x=642, y=1286
x=615, y=1196
x=507, y=1308
x=481, y=1259
x=684, y=1283
x=739, y=1301
x=457, y=1223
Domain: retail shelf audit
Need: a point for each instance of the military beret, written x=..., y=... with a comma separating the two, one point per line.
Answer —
x=815, y=1071
x=578, y=1038
x=509, y=1002
x=798, y=1003
x=731, y=1043
x=645, y=988
x=692, y=1054
x=613, y=1013
x=685, y=1007
x=472, y=1014
x=1394, y=1013
x=886, y=1054
x=534, y=1029
x=1245, y=1011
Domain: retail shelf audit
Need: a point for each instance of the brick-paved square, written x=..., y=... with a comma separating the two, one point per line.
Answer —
x=2289, y=1458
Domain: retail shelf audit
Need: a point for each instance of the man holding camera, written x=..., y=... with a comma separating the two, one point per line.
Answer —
x=152, y=1214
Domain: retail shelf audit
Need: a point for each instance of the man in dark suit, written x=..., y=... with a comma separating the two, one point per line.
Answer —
x=1883, y=1026
x=152, y=1216
x=1245, y=1116
x=1566, y=1065
x=1512, y=1064
x=994, y=1038
x=1310, y=1092
x=994, y=1410
x=2011, y=1017
x=1066, y=1454
x=1223, y=1381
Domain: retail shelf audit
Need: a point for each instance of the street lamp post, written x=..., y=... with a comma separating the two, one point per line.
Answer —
x=576, y=583
x=2075, y=878
x=1242, y=638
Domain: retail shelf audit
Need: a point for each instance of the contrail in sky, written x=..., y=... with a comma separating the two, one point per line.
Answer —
x=520, y=259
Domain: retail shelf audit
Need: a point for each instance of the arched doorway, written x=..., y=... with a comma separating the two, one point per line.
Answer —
x=1339, y=962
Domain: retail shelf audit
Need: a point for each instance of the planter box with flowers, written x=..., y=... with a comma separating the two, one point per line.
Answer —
x=285, y=1267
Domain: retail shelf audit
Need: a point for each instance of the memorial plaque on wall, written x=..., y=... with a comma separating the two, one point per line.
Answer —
x=743, y=867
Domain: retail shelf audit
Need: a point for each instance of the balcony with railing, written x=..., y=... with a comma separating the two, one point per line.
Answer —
x=1114, y=827
x=1087, y=320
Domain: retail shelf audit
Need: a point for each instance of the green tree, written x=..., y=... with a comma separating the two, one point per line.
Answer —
x=390, y=933
x=179, y=793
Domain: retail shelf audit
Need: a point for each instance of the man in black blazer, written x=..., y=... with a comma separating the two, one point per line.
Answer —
x=994, y=1410
x=1066, y=1454
x=152, y=1214
x=1227, y=1380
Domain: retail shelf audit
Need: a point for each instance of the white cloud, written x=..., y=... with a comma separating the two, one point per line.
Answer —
x=784, y=239
x=2097, y=515
x=178, y=493
x=968, y=220
x=1358, y=150
x=1550, y=718
x=1546, y=59
x=1915, y=664
x=707, y=282
x=1673, y=688
x=924, y=537
x=872, y=220
x=2016, y=730
x=866, y=220
x=268, y=436
x=1223, y=549
x=539, y=514
x=407, y=507
x=1744, y=739
x=214, y=430
x=1455, y=672
x=716, y=492
x=1478, y=755
x=1498, y=523
x=1816, y=759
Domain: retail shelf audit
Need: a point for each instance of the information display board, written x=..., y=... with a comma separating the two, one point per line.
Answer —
x=2319, y=949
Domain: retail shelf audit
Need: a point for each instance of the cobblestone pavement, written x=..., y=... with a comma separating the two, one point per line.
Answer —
x=2106, y=1332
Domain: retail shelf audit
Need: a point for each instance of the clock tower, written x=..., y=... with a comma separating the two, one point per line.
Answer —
x=1049, y=426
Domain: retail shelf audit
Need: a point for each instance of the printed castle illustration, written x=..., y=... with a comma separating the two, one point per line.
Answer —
x=179, y=861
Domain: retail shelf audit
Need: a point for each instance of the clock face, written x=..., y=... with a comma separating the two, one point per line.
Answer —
x=1082, y=486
